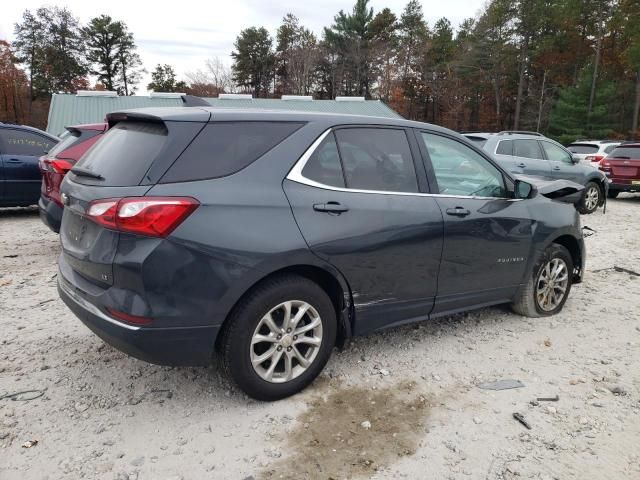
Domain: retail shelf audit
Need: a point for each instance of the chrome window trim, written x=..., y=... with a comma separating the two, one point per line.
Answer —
x=295, y=175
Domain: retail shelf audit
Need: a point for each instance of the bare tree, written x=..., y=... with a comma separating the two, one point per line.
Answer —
x=213, y=79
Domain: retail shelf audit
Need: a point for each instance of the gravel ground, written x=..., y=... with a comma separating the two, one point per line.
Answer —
x=400, y=404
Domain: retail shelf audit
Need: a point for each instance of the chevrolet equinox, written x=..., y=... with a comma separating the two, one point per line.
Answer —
x=268, y=238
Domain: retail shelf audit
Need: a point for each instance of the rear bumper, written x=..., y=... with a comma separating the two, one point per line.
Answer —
x=50, y=213
x=176, y=346
x=624, y=185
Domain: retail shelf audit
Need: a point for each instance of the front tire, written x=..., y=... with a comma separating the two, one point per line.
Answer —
x=591, y=198
x=548, y=287
x=279, y=338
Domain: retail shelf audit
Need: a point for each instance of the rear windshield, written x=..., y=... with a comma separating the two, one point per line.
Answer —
x=479, y=141
x=583, y=148
x=626, y=152
x=67, y=139
x=223, y=148
x=125, y=153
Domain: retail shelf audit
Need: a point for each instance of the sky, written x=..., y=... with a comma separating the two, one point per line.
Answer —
x=186, y=37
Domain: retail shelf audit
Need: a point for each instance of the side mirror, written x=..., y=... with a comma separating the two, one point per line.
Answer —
x=523, y=189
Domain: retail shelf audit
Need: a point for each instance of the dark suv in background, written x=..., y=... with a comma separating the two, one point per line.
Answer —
x=270, y=237
x=20, y=148
x=55, y=164
x=531, y=153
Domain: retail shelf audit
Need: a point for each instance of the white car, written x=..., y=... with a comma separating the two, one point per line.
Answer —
x=592, y=150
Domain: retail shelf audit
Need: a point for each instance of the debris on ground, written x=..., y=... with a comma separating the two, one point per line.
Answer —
x=519, y=417
x=501, y=385
x=30, y=443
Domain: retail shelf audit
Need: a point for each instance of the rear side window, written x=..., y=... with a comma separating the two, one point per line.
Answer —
x=377, y=159
x=224, y=148
x=527, y=149
x=632, y=153
x=125, y=153
x=583, y=148
x=505, y=147
x=610, y=148
x=324, y=164
x=19, y=142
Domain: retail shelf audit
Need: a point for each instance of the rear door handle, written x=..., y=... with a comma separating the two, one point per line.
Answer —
x=458, y=212
x=330, y=207
x=522, y=165
x=14, y=160
x=557, y=168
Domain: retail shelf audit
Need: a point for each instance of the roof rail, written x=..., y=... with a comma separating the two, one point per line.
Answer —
x=193, y=101
x=519, y=132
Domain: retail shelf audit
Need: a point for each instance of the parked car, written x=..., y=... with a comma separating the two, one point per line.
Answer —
x=20, y=147
x=57, y=162
x=622, y=166
x=592, y=150
x=270, y=237
x=534, y=154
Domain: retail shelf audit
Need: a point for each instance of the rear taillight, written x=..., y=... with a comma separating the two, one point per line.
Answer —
x=56, y=165
x=594, y=158
x=151, y=216
x=605, y=166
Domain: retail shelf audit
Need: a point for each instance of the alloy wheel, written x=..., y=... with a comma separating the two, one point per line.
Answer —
x=286, y=341
x=552, y=284
x=592, y=198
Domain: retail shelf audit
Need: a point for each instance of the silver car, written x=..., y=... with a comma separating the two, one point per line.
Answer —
x=532, y=153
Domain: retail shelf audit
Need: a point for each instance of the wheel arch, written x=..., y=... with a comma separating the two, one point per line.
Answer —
x=572, y=244
x=332, y=282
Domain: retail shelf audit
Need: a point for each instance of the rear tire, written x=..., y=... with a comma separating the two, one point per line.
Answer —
x=530, y=300
x=591, y=198
x=258, y=328
x=613, y=193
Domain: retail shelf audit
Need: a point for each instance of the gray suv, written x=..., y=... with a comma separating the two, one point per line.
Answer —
x=531, y=153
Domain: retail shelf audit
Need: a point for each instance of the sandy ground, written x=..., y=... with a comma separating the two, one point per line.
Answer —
x=400, y=404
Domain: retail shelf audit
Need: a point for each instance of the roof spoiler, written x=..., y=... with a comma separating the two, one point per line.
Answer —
x=520, y=132
x=193, y=101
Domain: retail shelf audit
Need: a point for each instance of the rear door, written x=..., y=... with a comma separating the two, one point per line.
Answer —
x=20, y=164
x=487, y=235
x=358, y=196
x=529, y=159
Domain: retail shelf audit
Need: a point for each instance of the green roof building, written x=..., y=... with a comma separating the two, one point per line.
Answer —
x=92, y=107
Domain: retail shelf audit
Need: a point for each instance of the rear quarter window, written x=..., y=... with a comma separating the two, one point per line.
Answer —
x=224, y=148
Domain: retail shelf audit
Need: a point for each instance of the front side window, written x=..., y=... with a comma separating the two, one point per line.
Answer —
x=527, y=149
x=377, y=159
x=324, y=164
x=461, y=171
x=555, y=153
x=19, y=142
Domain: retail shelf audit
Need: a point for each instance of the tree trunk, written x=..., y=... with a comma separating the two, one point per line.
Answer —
x=544, y=81
x=592, y=95
x=523, y=65
x=498, y=104
x=636, y=108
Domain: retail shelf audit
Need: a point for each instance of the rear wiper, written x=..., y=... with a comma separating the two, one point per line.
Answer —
x=83, y=172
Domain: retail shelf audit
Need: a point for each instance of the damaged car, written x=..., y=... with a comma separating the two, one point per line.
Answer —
x=265, y=239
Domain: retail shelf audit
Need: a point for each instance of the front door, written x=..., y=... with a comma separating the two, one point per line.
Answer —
x=487, y=236
x=358, y=204
x=562, y=166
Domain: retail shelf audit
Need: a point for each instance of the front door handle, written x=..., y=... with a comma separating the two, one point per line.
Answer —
x=14, y=160
x=330, y=207
x=521, y=165
x=458, y=212
x=557, y=168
